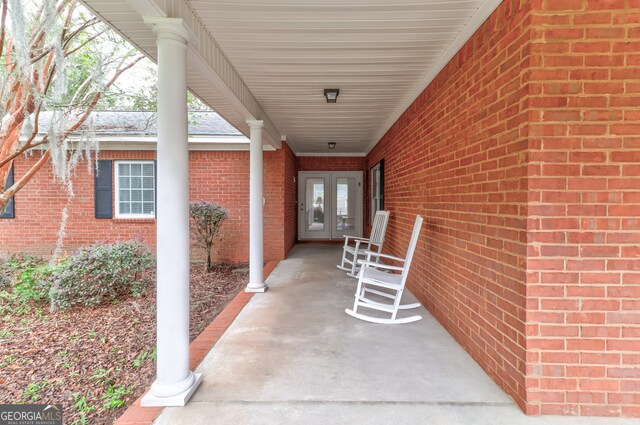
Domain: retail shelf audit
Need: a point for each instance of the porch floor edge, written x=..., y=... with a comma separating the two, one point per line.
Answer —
x=198, y=349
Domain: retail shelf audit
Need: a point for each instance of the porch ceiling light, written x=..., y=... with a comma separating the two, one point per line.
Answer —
x=332, y=145
x=331, y=95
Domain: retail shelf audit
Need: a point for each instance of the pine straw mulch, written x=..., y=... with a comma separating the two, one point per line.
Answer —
x=82, y=352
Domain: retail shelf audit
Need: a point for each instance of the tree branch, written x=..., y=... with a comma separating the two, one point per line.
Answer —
x=86, y=25
x=3, y=23
x=7, y=194
x=72, y=51
x=29, y=143
x=69, y=39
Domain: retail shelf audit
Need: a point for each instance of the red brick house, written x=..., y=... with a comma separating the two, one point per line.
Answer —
x=218, y=162
x=218, y=165
x=521, y=149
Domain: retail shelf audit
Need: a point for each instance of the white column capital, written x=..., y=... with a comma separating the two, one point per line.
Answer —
x=173, y=28
x=255, y=124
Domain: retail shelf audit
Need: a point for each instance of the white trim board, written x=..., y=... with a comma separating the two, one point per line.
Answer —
x=358, y=154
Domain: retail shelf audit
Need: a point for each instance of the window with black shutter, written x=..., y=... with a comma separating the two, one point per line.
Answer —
x=9, y=210
x=103, y=188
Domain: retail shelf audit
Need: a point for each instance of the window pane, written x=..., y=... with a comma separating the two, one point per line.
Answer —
x=136, y=169
x=136, y=182
x=375, y=190
x=315, y=205
x=147, y=169
x=374, y=184
x=345, y=204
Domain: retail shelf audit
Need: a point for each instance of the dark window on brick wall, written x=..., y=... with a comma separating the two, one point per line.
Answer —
x=376, y=188
x=9, y=210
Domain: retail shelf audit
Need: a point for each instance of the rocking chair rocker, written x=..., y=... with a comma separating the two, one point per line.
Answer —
x=388, y=285
x=352, y=252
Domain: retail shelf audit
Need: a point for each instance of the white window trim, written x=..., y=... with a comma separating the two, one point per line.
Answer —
x=116, y=175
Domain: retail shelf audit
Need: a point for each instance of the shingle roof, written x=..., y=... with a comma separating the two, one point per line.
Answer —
x=143, y=123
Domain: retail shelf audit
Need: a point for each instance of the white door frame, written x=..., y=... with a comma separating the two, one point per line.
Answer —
x=304, y=209
x=330, y=179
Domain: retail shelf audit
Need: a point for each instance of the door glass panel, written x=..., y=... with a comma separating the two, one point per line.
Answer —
x=315, y=202
x=345, y=204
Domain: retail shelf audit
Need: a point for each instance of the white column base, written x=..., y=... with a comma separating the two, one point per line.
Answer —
x=180, y=399
x=252, y=287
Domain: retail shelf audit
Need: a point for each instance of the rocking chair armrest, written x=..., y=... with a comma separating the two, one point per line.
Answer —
x=347, y=238
x=378, y=265
x=381, y=255
x=356, y=241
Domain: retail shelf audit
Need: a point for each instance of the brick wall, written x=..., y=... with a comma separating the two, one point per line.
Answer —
x=331, y=163
x=220, y=177
x=523, y=157
x=274, y=194
x=456, y=156
x=584, y=213
x=290, y=198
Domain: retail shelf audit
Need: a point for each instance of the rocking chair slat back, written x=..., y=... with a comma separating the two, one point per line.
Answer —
x=356, y=248
x=412, y=247
x=379, y=227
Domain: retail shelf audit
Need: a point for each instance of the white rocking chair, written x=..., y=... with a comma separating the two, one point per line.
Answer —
x=355, y=248
x=387, y=284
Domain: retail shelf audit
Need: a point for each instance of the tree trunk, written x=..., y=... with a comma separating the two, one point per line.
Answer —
x=209, y=266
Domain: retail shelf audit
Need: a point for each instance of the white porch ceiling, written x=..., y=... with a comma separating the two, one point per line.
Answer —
x=380, y=53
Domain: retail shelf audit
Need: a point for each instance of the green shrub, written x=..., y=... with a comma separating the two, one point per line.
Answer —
x=24, y=280
x=34, y=283
x=11, y=267
x=101, y=273
x=5, y=273
x=206, y=219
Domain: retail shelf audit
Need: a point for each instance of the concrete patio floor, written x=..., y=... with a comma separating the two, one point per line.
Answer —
x=293, y=356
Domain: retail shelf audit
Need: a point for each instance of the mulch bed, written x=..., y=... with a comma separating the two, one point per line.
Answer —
x=82, y=352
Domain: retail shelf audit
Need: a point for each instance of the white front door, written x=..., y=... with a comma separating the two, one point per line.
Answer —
x=329, y=204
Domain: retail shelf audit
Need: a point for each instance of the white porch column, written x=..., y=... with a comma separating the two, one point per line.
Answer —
x=174, y=382
x=256, y=221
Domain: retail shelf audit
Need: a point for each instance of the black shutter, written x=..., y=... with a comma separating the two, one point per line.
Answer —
x=155, y=187
x=10, y=209
x=102, y=188
x=382, y=184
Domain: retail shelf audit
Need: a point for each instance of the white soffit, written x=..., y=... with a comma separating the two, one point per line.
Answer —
x=209, y=75
x=381, y=54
